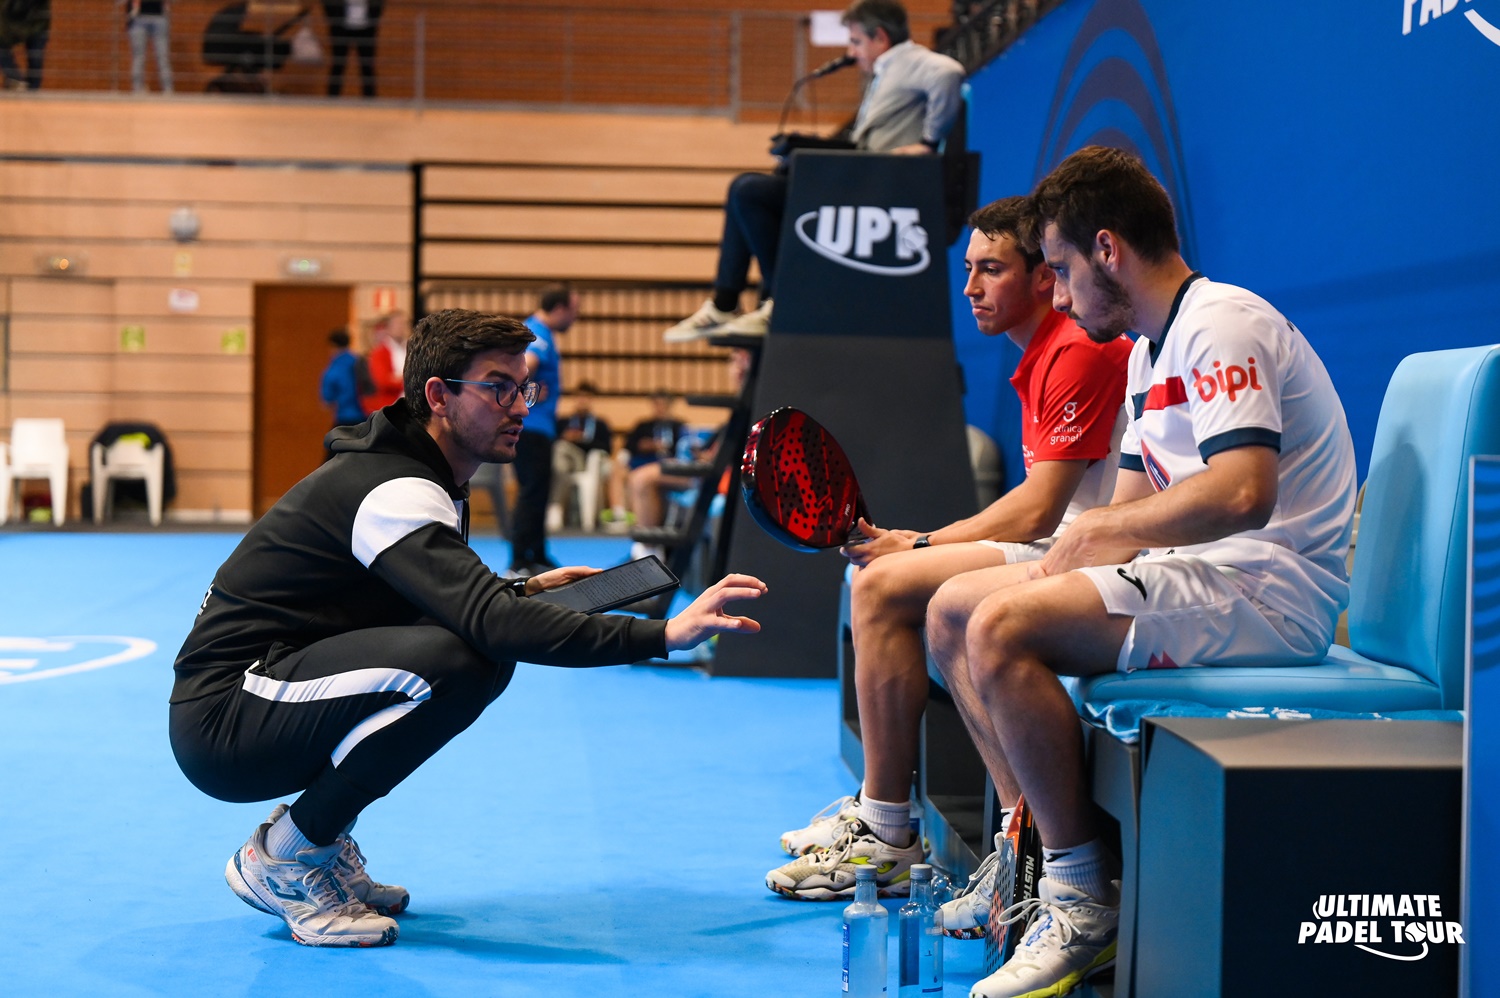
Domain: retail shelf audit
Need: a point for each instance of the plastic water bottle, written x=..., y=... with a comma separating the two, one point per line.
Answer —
x=921, y=972
x=866, y=926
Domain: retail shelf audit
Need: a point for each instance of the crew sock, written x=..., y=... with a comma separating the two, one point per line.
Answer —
x=891, y=822
x=285, y=840
x=1088, y=868
x=726, y=301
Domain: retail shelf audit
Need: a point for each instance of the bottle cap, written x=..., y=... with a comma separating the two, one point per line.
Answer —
x=864, y=873
x=919, y=871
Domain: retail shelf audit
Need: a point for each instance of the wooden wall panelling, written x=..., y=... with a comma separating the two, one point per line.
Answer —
x=174, y=184
x=559, y=222
x=57, y=219
x=599, y=262
x=263, y=263
x=703, y=188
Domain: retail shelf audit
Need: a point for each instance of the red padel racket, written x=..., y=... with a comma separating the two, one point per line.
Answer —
x=799, y=485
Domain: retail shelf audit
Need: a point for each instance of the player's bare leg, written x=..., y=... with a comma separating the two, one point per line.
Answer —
x=888, y=608
x=948, y=616
x=1018, y=641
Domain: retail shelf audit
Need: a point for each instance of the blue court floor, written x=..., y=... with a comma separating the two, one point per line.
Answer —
x=598, y=832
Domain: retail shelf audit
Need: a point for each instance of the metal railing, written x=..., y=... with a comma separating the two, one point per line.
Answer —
x=737, y=63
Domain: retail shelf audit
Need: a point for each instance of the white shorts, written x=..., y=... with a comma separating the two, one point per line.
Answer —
x=1016, y=552
x=1188, y=612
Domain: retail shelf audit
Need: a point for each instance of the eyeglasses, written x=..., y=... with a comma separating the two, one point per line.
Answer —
x=505, y=391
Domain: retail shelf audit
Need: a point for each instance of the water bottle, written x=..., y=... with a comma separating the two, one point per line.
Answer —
x=921, y=950
x=866, y=925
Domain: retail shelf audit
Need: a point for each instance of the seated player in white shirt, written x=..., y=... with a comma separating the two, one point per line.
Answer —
x=1225, y=543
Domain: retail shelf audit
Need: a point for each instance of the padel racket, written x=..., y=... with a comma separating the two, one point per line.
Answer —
x=1016, y=881
x=799, y=485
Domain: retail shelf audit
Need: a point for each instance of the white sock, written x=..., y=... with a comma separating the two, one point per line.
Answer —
x=284, y=840
x=891, y=822
x=1088, y=868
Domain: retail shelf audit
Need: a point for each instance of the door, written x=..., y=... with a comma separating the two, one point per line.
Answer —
x=292, y=323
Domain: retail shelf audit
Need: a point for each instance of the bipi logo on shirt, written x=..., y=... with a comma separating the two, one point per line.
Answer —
x=1229, y=381
x=876, y=240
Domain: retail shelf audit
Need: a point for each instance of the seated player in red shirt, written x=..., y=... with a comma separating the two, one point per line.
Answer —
x=1072, y=393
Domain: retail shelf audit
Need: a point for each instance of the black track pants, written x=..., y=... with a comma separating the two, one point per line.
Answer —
x=343, y=720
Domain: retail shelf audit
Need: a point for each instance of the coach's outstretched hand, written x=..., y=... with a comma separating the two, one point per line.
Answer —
x=558, y=577
x=705, y=616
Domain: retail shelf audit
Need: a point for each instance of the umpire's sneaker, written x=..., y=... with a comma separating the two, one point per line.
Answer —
x=700, y=325
x=827, y=874
x=824, y=829
x=969, y=912
x=308, y=893
x=1069, y=936
x=387, y=899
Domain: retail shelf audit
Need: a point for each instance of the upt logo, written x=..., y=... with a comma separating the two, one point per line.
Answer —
x=1230, y=380
x=851, y=235
x=1430, y=10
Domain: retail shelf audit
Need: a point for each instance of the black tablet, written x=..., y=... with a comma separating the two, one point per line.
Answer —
x=613, y=587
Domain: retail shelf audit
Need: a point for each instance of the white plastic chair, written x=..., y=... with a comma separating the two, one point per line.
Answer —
x=39, y=449
x=588, y=486
x=4, y=483
x=127, y=459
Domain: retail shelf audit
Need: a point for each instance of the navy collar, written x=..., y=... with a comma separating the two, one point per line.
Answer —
x=1156, y=345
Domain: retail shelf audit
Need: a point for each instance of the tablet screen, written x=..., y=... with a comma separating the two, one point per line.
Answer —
x=613, y=587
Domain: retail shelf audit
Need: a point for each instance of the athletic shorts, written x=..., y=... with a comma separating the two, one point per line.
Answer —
x=1188, y=612
x=1015, y=552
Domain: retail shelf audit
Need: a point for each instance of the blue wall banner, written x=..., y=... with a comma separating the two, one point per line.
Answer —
x=1481, y=876
x=1335, y=158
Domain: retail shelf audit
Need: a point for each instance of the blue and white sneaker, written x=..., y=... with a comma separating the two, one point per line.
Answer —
x=1069, y=937
x=966, y=916
x=308, y=894
x=828, y=874
x=823, y=829
x=387, y=899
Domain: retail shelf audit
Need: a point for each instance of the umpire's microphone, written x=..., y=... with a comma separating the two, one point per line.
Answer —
x=831, y=66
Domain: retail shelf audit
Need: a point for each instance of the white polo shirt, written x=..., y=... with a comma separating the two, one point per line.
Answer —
x=1229, y=371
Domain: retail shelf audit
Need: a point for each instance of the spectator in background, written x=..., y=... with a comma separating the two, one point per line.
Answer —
x=27, y=23
x=577, y=435
x=556, y=312
x=634, y=493
x=149, y=19
x=345, y=380
x=352, y=23
x=388, y=361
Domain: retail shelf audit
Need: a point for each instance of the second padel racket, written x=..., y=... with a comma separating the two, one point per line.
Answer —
x=798, y=483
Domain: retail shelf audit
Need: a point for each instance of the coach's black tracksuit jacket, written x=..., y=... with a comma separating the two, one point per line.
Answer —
x=374, y=538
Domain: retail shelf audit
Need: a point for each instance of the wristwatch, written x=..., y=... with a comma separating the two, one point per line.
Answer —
x=921, y=542
x=517, y=586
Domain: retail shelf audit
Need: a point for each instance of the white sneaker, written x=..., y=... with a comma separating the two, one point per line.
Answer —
x=756, y=323
x=386, y=899
x=826, y=874
x=1069, y=936
x=824, y=829
x=308, y=894
x=701, y=324
x=968, y=913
